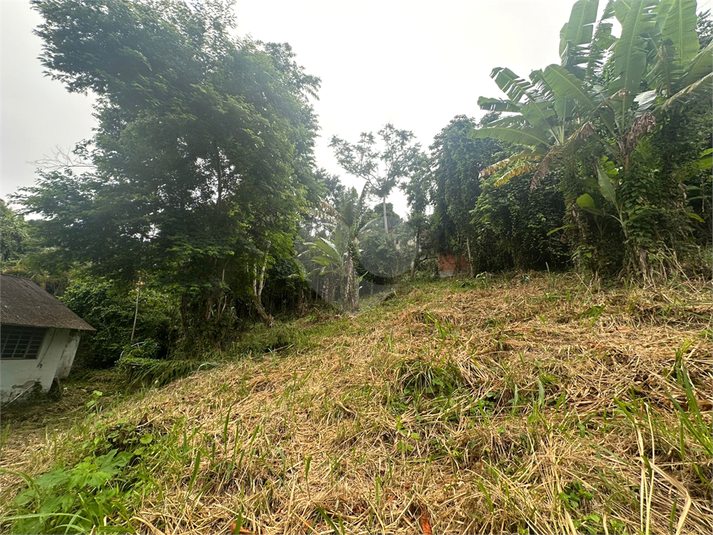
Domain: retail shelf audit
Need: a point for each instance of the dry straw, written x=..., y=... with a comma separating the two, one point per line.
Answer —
x=542, y=405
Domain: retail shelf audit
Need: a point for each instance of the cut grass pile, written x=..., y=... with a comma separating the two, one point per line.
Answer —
x=536, y=404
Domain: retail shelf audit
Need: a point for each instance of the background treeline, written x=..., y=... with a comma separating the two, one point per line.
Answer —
x=197, y=209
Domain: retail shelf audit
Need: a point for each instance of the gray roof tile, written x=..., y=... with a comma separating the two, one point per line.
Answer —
x=22, y=302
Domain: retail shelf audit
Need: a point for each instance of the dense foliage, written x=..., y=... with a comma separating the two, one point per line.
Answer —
x=14, y=236
x=614, y=119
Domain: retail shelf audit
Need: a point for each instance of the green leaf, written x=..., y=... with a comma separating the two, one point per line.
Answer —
x=606, y=187
x=564, y=227
x=530, y=137
x=706, y=160
x=329, y=249
x=578, y=30
x=695, y=216
x=328, y=520
x=661, y=11
x=601, y=43
x=567, y=85
x=621, y=10
x=538, y=113
x=496, y=104
x=630, y=49
x=541, y=392
x=511, y=84
x=705, y=163
x=585, y=202
x=680, y=29
x=700, y=66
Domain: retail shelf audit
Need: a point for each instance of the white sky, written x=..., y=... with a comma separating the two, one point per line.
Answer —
x=414, y=63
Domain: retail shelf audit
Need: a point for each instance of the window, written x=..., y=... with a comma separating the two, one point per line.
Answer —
x=19, y=342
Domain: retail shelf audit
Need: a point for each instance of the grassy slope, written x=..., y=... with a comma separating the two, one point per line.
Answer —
x=544, y=405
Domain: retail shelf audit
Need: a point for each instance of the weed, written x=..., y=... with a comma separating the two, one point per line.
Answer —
x=262, y=340
x=593, y=313
x=573, y=495
x=591, y=524
x=336, y=529
x=76, y=500
x=443, y=327
x=93, y=404
x=421, y=378
x=157, y=372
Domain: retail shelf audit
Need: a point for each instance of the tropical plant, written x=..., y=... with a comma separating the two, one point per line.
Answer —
x=384, y=256
x=457, y=161
x=336, y=254
x=113, y=310
x=589, y=114
x=382, y=163
x=513, y=225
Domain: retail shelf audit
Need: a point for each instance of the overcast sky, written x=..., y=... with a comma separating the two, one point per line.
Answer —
x=414, y=63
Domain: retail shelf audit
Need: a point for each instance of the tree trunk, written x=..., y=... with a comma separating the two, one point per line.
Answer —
x=302, y=303
x=136, y=311
x=470, y=258
x=257, y=287
x=386, y=221
x=266, y=318
x=350, y=299
x=219, y=173
x=184, y=315
x=414, y=264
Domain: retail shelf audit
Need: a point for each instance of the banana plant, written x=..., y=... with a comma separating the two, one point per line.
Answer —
x=606, y=96
x=607, y=181
x=656, y=64
x=549, y=112
x=336, y=255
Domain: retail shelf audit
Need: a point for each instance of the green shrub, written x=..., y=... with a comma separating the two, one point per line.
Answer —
x=110, y=310
x=75, y=500
x=262, y=340
x=141, y=371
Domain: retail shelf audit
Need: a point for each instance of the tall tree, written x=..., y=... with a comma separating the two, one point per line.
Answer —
x=382, y=162
x=14, y=235
x=457, y=163
x=419, y=190
x=203, y=151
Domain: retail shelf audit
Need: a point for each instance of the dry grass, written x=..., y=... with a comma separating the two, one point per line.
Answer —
x=541, y=404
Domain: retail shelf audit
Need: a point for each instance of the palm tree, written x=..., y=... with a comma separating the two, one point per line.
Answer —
x=336, y=254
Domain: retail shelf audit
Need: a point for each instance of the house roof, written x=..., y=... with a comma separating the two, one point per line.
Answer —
x=22, y=302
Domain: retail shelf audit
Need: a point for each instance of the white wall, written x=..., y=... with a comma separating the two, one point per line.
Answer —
x=70, y=349
x=58, y=347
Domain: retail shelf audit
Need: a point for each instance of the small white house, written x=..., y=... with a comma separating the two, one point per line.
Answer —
x=38, y=336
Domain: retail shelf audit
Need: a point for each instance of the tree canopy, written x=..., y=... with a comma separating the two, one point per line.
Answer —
x=203, y=151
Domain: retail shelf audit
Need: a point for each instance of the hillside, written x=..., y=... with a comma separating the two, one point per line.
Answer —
x=538, y=403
